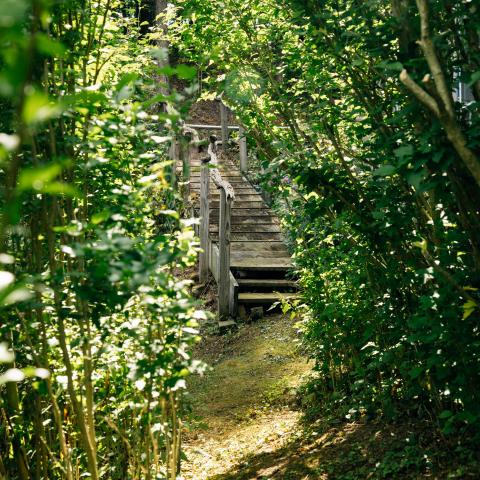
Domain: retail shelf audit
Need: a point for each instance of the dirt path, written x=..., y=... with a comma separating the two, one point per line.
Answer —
x=245, y=403
x=247, y=426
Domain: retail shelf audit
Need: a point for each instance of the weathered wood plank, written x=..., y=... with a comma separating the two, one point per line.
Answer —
x=242, y=220
x=254, y=298
x=204, y=260
x=250, y=204
x=254, y=214
x=243, y=150
x=261, y=236
x=267, y=283
x=264, y=264
x=256, y=246
x=260, y=254
x=224, y=259
x=242, y=197
x=253, y=227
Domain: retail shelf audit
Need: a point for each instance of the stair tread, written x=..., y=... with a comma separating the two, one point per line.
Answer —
x=264, y=297
x=266, y=282
x=259, y=263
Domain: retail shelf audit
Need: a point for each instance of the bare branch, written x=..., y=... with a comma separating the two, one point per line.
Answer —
x=432, y=59
x=420, y=93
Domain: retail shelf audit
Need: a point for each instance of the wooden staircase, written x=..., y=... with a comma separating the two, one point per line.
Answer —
x=259, y=260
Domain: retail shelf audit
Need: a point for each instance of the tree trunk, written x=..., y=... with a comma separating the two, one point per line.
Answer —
x=162, y=43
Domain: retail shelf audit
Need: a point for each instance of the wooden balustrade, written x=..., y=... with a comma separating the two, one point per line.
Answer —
x=227, y=197
x=215, y=258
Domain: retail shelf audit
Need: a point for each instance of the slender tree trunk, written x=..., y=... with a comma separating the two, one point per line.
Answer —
x=162, y=43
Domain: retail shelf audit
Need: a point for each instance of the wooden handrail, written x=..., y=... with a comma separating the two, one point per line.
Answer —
x=209, y=253
x=227, y=197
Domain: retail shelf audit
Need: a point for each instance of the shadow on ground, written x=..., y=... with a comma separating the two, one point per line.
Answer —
x=359, y=450
x=251, y=429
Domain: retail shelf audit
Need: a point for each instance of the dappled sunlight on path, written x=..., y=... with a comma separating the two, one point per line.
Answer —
x=246, y=424
x=245, y=402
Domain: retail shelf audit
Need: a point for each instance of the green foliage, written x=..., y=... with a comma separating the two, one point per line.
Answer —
x=100, y=326
x=379, y=204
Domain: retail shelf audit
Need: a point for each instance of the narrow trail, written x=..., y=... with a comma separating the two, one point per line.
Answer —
x=245, y=403
x=247, y=424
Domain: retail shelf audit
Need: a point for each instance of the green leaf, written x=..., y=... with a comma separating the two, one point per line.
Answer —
x=185, y=72
x=37, y=178
x=404, y=151
x=100, y=217
x=394, y=66
x=468, y=308
x=50, y=47
x=126, y=80
x=421, y=245
x=61, y=188
x=39, y=108
x=384, y=171
x=416, y=372
x=11, y=12
x=474, y=78
x=415, y=179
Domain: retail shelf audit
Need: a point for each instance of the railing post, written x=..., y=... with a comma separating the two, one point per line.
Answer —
x=224, y=255
x=243, y=150
x=224, y=123
x=174, y=156
x=205, y=220
x=186, y=153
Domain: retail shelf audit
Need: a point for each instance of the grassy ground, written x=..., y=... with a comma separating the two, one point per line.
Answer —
x=247, y=425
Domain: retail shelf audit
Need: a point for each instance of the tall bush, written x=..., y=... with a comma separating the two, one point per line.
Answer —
x=364, y=116
x=98, y=326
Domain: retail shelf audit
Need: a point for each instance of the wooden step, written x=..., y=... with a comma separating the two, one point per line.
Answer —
x=263, y=264
x=249, y=227
x=257, y=246
x=272, y=283
x=249, y=212
x=247, y=237
x=264, y=297
x=240, y=219
x=239, y=254
x=238, y=181
x=195, y=178
x=241, y=197
x=241, y=204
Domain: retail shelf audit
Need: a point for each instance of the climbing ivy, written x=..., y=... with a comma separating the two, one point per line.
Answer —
x=364, y=119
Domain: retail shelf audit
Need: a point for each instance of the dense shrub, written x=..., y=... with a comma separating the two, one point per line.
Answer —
x=364, y=116
x=100, y=326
